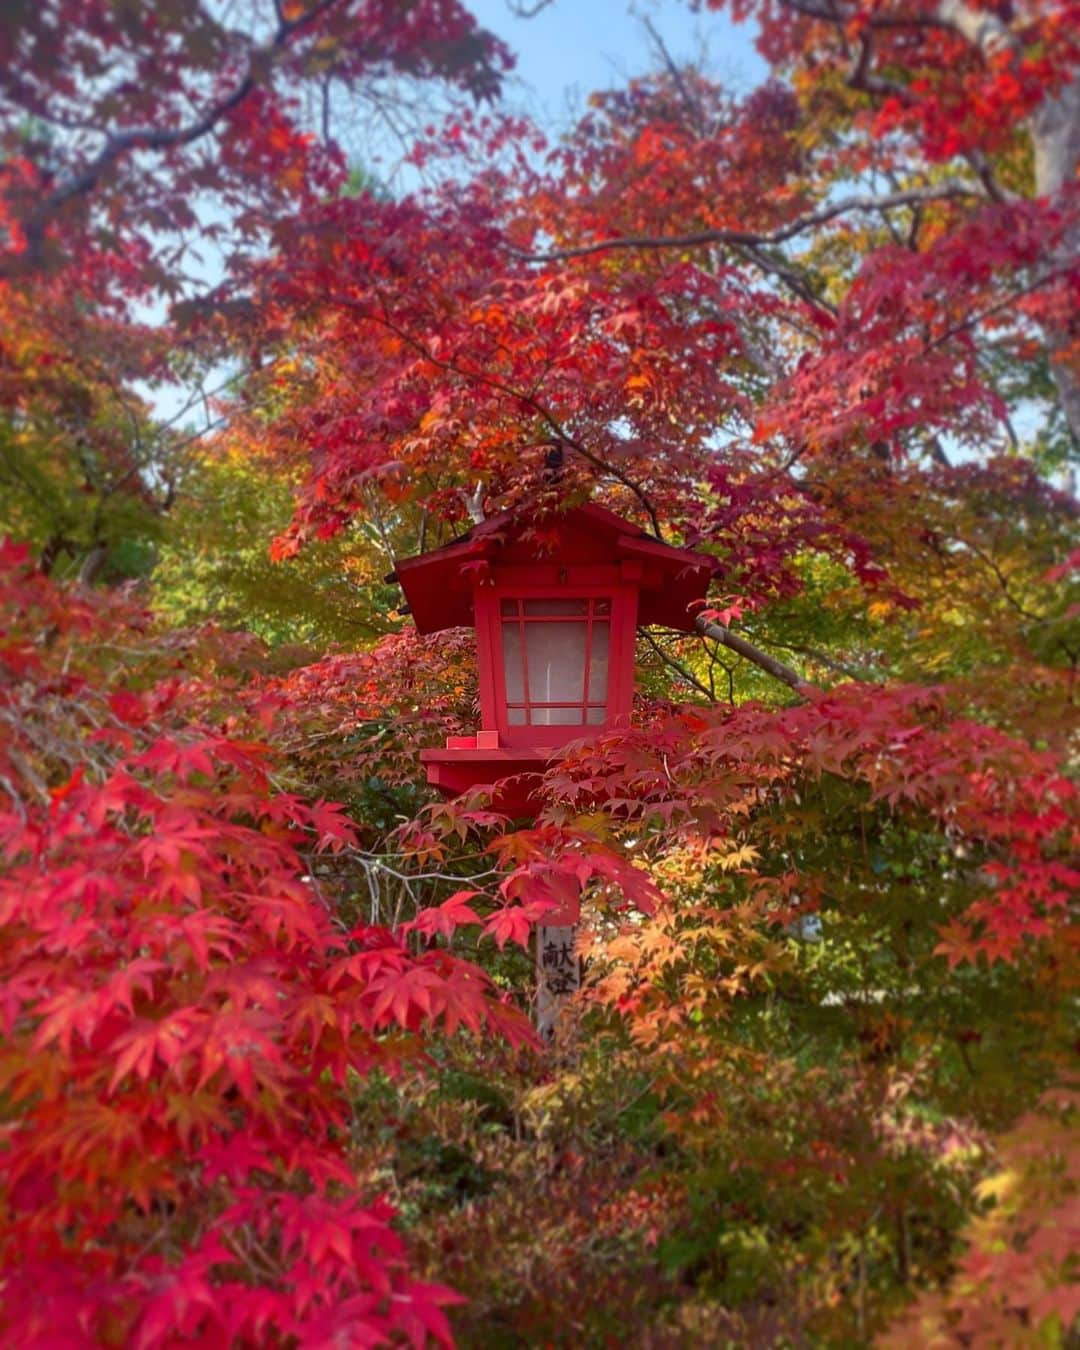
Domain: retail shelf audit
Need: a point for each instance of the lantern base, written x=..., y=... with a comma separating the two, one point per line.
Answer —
x=464, y=765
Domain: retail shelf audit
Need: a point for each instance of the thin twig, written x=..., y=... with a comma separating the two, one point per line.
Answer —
x=678, y=667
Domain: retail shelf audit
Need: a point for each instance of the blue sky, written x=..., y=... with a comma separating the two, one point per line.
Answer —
x=575, y=46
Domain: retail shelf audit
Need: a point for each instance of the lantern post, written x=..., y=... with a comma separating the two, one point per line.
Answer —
x=555, y=602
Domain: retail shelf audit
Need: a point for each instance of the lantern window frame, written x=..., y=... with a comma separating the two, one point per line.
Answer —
x=622, y=621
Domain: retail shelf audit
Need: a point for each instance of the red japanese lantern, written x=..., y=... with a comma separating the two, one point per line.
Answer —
x=555, y=603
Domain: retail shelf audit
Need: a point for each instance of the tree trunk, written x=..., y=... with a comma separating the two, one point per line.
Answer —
x=1055, y=138
x=92, y=564
x=1055, y=141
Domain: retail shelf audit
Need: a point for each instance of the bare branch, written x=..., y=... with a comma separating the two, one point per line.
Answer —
x=777, y=669
x=789, y=276
x=473, y=501
x=861, y=76
x=829, y=662
x=693, y=106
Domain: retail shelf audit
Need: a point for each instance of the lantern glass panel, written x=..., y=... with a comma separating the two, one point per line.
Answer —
x=556, y=656
x=547, y=609
x=555, y=661
x=512, y=663
x=598, y=663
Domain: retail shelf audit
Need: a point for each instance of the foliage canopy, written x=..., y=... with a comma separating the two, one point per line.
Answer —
x=266, y=1074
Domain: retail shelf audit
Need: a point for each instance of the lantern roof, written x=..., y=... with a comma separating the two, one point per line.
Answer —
x=439, y=585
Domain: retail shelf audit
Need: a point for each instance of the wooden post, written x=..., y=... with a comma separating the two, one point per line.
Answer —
x=558, y=973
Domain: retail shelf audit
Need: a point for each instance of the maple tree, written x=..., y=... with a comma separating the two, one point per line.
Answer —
x=182, y=1013
x=262, y=1074
x=145, y=148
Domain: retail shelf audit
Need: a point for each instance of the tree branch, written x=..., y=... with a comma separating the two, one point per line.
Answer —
x=120, y=143
x=816, y=654
x=797, y=284
x=677, y=666
x=777, y=669
x=693, y=107
x=836, y=16
x=757, y=238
